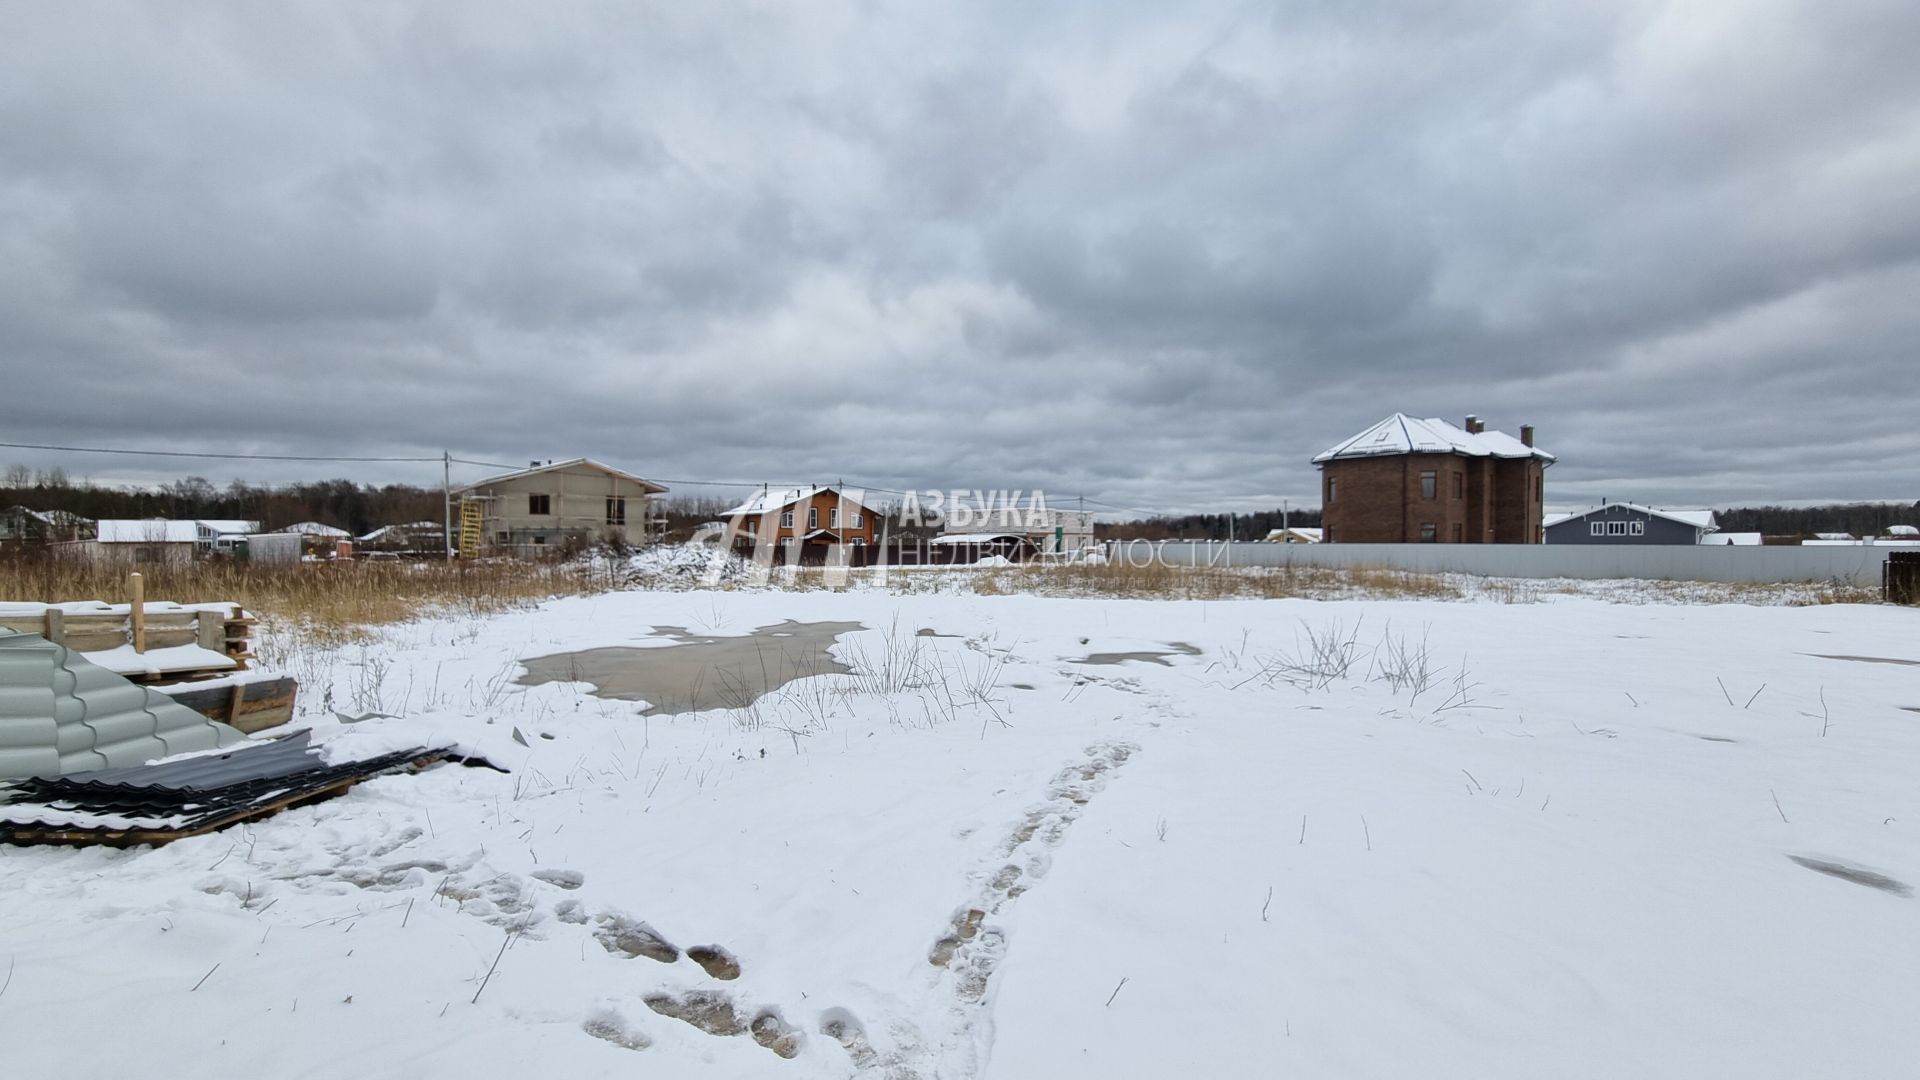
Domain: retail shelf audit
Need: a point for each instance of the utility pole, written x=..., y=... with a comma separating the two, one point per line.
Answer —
x=1285, y=537
x=446, y=501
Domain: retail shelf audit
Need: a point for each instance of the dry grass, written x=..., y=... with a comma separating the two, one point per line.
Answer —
x=1158, y=582
x=326, y=603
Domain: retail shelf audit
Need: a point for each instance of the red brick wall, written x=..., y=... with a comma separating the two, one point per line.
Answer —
x=1382, y=501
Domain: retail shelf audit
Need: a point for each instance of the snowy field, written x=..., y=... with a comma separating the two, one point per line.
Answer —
x=1569, y=838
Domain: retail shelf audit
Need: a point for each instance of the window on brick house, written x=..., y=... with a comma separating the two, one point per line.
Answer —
x=1333, y=490
x=813, y=517
x=1428, y=534
x=786, y=519
x=616, y=510
x=833, y=517
x=1539, y=487
x=1429, y=484
x=859, y=520
x=1458, y=531
x=539, y=505
x=1459, y=485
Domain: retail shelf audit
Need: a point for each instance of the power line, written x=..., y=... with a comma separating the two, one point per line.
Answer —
x=203, y=454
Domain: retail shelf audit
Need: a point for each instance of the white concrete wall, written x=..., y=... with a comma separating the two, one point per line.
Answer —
x=1856, y=565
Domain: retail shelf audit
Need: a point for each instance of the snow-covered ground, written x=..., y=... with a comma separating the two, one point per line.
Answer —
x=1271, y=846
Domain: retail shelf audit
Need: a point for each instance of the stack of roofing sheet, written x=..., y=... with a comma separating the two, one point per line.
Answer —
x=60, y=713
x=152, y=804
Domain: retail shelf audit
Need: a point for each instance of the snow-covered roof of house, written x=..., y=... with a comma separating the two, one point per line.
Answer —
x=1699, y=519
x=51, y=517
x=316, y=528
x=1403, y=434
x=977, y=538
x=1833, y=536
x=147, y=531
x=1311, y=536
x=555, y=466
x=1903, y=530
x=772, y=499
x=1734, y=539
x=385, y=531
x=228, y=526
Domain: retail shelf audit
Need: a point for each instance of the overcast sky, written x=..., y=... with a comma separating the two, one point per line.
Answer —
x=1156, y=254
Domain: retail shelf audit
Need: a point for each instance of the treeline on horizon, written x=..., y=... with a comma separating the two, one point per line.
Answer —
x=360, y=508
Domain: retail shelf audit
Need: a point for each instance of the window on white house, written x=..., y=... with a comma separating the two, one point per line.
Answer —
x=540, y=539
x=616, y=510
x=786, y=519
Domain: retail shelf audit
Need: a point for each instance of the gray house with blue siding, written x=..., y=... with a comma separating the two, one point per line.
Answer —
x=1630, y=523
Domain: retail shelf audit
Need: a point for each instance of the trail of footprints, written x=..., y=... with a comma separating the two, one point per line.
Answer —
x=965, y=955
x=971, y=948
x=967, y=952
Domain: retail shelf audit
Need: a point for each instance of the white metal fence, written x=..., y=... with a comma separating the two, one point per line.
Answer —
x=1859, y=565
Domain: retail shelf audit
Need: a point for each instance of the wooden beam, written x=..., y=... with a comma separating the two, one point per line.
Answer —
x=139, y=614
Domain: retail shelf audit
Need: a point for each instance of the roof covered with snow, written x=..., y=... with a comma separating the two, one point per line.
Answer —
x=978, y=538
x=316, y=528
x=147, y=531
x=396, y=531
x=556, y=466
x=1699, y=519
x=1403, y=434
x=772, y=499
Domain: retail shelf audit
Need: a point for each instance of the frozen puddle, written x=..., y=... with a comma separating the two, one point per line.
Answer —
x=700, y=671
x=1143, y=656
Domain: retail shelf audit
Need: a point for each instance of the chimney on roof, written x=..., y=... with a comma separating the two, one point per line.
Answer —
x=1474, y=426
x=533, y=464
x=1526, y=434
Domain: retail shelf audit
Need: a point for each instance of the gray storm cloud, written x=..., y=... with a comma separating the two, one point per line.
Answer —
x=1159, y=255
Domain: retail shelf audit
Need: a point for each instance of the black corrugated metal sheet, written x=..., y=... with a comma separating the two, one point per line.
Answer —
x=183, y=798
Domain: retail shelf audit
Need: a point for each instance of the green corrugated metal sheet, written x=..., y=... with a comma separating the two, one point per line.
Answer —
x=61, y=714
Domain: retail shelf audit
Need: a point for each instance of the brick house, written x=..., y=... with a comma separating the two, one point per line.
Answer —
x=812, y=516
x=1410, y=481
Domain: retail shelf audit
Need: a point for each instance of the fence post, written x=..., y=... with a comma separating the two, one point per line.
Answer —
x=138, y=611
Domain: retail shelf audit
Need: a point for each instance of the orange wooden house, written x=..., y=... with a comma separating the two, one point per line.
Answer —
x=804, y=516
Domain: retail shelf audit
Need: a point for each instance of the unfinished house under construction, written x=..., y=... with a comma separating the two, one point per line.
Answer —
x=546, y=507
